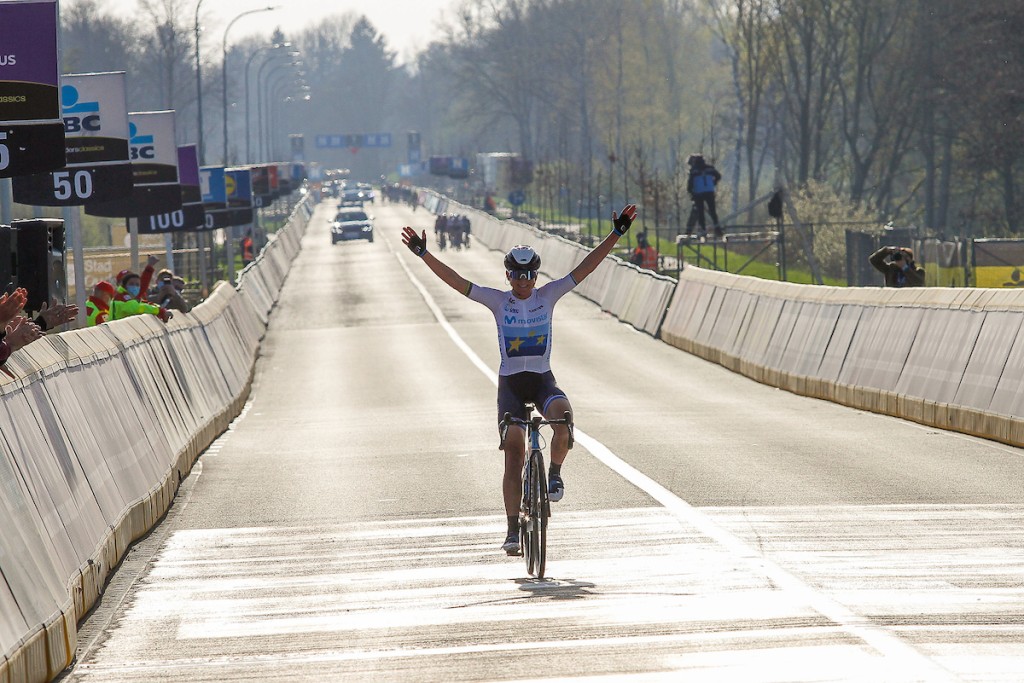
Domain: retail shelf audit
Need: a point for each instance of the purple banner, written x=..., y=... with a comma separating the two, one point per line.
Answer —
x=188, y=165
x=28, y=61
x=188, y=174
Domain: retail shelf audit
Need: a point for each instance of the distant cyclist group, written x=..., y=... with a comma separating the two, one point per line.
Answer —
x=451, y=230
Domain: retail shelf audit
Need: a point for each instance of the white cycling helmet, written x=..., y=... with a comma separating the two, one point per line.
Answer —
x=522, y=262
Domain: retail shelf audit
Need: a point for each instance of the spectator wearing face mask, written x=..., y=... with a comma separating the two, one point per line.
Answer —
x=132, y=285
x=104, y=306
x=130, y=290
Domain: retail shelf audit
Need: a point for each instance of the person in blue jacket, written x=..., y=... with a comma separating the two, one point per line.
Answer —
x=701, y=185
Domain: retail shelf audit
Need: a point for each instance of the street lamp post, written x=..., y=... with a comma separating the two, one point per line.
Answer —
x=285, y=91
x=200, y=147
x=260, y=105
x=224, y=71
x=199, y=92
x=248, y=135
x=277, y=89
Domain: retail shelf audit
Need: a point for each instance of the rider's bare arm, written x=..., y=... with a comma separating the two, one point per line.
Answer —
x=447, y=275
x=418, y=245
x=592, y=260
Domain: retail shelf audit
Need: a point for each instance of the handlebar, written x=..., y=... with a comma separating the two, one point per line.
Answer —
x=536, y=422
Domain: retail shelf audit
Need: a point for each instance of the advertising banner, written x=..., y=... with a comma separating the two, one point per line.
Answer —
x=31, y=132
x=191, y=216
x=239, y=190
x=284, y=180
x=261, y=192
x=154, y=158
x=998, y=263
x=214, y=193
x=95, y=117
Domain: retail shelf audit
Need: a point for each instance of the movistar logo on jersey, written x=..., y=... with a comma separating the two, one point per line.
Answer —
x=78, y=116
x=141, y=146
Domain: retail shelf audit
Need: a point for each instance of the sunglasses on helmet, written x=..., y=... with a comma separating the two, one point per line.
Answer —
x=521, y=274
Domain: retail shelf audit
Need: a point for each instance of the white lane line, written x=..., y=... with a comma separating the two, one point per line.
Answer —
x=878, y=638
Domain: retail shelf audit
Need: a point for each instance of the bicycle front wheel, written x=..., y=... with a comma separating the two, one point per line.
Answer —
x=538, y=493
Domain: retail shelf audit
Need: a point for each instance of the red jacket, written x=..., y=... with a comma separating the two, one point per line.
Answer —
x=646, y=257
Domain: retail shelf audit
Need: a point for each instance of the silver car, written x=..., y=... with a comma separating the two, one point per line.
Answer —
x=352, y=224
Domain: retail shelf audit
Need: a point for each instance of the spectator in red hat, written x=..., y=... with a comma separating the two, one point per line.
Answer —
x=98, y=305
x=134, y=286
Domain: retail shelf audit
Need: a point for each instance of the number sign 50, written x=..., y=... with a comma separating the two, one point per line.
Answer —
x=64, y=185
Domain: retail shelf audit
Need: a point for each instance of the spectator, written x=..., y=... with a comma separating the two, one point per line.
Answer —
x=247, y=248
x=15, y=330
x=644, y=255
x=167, y=294
x=55, y=314
x=131, y=290
x=898, y=267
x=104, y=306
x=701, y=185
x=131, y=285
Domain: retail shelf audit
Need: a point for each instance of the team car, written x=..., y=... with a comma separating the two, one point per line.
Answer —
x=351, y=224
x=354, y=196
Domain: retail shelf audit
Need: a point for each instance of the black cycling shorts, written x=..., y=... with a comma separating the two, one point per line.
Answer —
x=515, y=391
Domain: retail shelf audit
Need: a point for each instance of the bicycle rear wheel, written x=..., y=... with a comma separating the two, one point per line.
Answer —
x=538, y=493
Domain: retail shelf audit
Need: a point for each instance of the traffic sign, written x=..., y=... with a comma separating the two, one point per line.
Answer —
x=516, y=197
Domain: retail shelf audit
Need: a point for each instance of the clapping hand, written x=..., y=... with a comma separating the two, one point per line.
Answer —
x=21, y=331
x=55, y=313
x=11, y=304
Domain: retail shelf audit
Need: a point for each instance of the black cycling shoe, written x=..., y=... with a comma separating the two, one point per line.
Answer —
x=556, y=489
x=511, y=545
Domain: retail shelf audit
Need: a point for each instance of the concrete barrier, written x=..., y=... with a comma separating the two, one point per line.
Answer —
x=950, y=358
x=97, y=429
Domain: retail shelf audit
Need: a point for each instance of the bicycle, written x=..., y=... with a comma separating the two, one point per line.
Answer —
x=535, y=508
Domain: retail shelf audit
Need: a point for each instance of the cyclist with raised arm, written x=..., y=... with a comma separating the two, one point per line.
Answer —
x=523, y=316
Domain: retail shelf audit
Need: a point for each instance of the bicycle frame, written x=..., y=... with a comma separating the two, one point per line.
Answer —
x=535, y=508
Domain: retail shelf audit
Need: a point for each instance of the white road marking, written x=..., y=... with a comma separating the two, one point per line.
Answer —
x=878, y=638
x=637, y=597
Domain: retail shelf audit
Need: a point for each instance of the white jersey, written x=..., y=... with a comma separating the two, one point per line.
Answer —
x=524, y=325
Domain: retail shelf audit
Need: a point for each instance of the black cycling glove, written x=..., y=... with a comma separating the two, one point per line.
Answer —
x=622, y=224
x=417, y=245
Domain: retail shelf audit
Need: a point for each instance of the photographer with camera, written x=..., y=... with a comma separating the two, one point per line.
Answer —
x=898, y=266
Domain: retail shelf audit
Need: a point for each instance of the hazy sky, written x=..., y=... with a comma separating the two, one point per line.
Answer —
x=406, y=24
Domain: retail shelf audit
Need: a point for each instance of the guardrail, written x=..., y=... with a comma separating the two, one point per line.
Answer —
x=947, y=357
x=96, y=433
